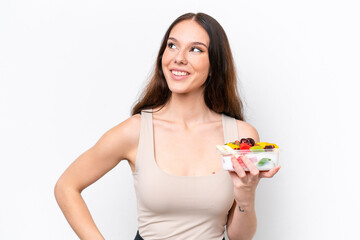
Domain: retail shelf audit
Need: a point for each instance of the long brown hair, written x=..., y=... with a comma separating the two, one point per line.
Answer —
x=220, y=94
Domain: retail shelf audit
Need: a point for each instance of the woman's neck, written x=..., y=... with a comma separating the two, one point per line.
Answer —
x=187, y=109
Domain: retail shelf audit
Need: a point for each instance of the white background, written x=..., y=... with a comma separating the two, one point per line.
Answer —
x=71, y=70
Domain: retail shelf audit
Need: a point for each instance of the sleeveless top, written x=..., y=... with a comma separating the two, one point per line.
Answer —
x=180, y=207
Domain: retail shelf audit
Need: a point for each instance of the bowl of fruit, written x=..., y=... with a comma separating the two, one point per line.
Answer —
x=264, y=155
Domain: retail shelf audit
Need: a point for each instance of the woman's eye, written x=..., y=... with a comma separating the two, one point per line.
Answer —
x=171, y=45
x=197, y=50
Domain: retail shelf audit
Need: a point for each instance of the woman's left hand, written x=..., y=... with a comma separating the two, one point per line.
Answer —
x=245, y=182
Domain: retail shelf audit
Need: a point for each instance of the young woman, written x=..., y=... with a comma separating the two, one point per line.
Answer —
x=190, y=105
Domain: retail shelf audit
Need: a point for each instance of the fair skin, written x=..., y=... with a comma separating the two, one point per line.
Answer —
x=186, y=121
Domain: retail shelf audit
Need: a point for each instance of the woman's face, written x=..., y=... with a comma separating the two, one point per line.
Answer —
x=185, y=61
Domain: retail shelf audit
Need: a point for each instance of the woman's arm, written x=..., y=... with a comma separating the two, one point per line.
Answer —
x=118, y=143
x=242, y=221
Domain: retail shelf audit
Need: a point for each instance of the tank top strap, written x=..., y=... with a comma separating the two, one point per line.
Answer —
x=145, y=147
x=230, y=129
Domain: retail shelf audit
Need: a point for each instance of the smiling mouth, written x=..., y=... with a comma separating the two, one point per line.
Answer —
x=179, y=73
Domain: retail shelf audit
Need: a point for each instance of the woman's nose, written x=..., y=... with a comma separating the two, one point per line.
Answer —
x=180, y=57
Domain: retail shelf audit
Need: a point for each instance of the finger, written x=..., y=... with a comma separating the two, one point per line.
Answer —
x=270, y=173
x=238, y=168
x=236, y=180
x=254, y=171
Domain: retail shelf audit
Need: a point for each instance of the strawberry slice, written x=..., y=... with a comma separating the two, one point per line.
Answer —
x=244, y=146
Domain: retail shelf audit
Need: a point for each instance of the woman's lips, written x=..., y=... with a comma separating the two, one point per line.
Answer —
x=178, y=74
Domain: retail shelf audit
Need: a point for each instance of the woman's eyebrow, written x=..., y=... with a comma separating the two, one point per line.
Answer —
x=195, y=43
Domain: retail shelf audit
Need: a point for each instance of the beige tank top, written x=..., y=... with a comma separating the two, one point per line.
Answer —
x=173, y=207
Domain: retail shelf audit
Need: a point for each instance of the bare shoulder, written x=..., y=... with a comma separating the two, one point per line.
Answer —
x=125, y=136
x=129, y=129
x=247, y=130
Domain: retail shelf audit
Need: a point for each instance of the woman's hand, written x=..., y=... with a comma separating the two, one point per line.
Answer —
x=245, y=183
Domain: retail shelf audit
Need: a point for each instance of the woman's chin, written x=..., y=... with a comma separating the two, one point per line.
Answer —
x=178, y=89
